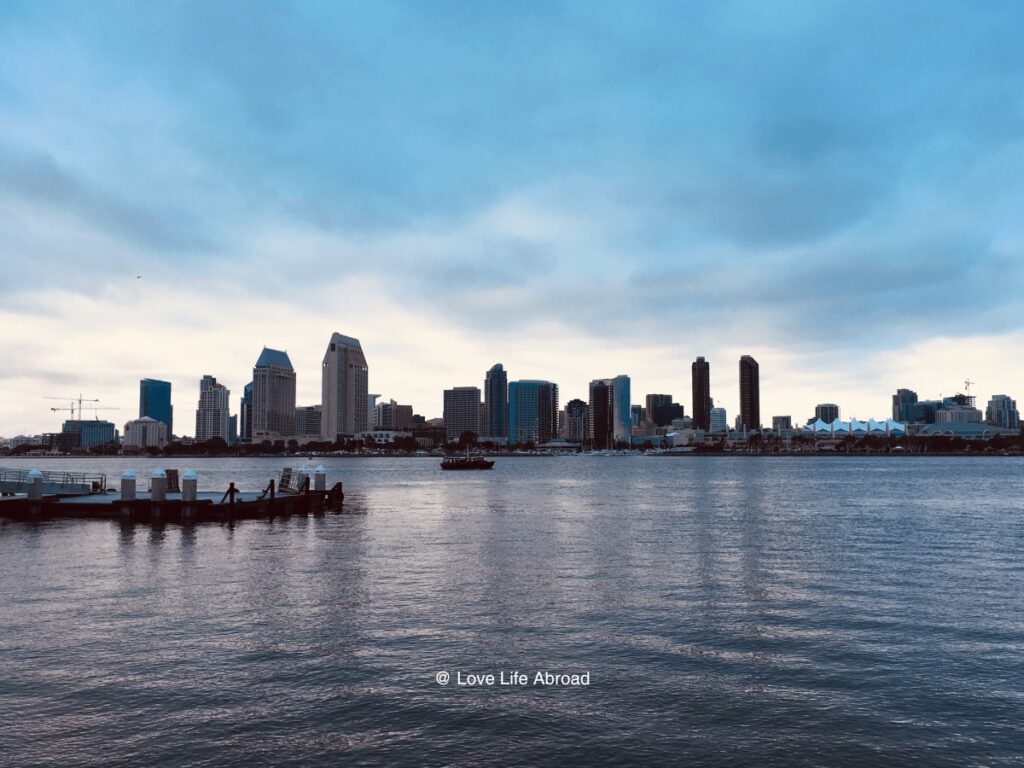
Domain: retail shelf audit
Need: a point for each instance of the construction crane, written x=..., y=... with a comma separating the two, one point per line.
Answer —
x=967, y=386
x=91, y=408
x=73, y=400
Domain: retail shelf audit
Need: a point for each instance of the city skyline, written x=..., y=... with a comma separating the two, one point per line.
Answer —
x=622, y=193
x=722, y=385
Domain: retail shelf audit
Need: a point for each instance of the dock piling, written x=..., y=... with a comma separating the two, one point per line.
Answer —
x=157, y=493
x=189, y=484
x=158, y=485
x=128, y=485
x=35, y=484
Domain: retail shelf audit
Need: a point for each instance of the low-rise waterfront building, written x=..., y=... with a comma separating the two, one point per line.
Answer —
x=145, y=432
x=966, y=430
x=83, y=433
x=958, y=413
x=383, y=436
x=855, y=428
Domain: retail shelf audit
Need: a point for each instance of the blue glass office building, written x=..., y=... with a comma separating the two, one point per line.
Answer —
x=155, y=402
x=532, y=412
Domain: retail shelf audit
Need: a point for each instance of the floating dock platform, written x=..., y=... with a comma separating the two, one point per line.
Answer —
x=27, y=498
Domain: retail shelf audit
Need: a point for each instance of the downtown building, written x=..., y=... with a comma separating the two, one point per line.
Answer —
x=609, y=412
x=245, y=414
x=782, y=423
x=700, y=372
x=935, y=411
x=958, y=414
x=532, y=412
x=718, y=421
x=273, y=397
x=576, y=422
x=827, y=412
x=750, y=394
x=82, y=433
x=144, y=432
x=903, y=406
x=213, y=414
x=461, y=412
x=1002, y=412
x=391, y=415
x=371, y=410
x=308, y=422
x=495, y=415
x=662, y=410
x=155, y=402
x=345, y=389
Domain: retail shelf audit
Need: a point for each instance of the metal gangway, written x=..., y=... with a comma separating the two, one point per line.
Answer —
x=69, y=483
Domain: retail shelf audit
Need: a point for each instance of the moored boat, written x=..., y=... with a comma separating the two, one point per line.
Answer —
x=466, y=462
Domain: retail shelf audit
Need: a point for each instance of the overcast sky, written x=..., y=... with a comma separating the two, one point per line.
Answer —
x=575, y=190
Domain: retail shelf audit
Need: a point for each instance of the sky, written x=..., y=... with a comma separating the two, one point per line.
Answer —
x=576, y=190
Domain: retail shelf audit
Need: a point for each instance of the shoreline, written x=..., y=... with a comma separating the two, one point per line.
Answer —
x=652, y=454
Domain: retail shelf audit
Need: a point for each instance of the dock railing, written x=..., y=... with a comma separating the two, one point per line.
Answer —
x=17, y=481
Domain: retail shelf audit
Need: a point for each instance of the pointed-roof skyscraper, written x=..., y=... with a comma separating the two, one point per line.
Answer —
x=345, y=389
x=273, y=396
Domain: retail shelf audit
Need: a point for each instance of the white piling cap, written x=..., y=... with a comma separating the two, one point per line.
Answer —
x=189, y=474
x=320, y=469
x=157, y=473
x=128, y=474
x=35, y=473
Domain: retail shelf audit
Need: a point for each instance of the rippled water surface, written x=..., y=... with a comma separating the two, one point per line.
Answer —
x=730, y=611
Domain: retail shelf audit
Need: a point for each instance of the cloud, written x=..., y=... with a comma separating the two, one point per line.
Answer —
x=575, y=189
x=38, y=179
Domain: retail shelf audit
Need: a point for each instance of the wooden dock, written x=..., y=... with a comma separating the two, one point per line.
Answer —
x=185, y=505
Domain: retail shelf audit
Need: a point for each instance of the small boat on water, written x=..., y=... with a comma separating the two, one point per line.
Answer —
x=466, y=462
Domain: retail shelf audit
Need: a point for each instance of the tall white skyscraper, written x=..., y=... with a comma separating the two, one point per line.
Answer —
x=213, y=414
x=345, y=389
